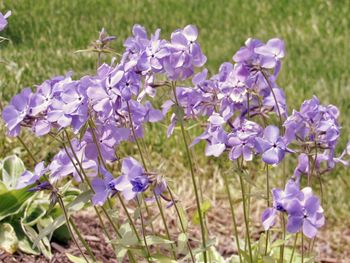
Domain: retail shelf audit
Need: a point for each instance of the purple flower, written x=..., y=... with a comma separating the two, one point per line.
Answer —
x=242, y=139
x=107, y=137
x=103, y=188
x=28, y=178
x=41, y=186
x=303, y=166
x=271, y=145
x=185, y=54
x=215, y=136
x=281, y=199
x=63, y=165
x=272, y=52
x=17, y=111
x=3, y=20
x=133, y=180
x=305, y=215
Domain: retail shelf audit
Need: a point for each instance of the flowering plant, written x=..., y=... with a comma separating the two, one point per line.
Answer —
x=247, y=117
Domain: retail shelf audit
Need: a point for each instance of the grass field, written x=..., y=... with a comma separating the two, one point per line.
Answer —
x=44, y=35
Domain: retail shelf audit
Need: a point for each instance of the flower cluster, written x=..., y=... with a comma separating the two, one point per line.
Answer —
x=241, y=104
x=302, y=207
x=106, y=109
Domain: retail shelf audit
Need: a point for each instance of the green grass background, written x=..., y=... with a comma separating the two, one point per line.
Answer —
x=44, y=35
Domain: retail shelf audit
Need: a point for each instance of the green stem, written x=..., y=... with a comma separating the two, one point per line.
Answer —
x=60, y=201
x=200, y=215
x=302, y=248
x=82, y=240
x=274, y=97
x=233, y=217
x=128, y=216
x=268, y=204
x=144, y=231
x=100, y=157
x=27, y=149
x=294, y=246
x=134, y=135
x=246, y=220
x=181, y=223
x=165, y=224
x=131, y=257
x=141, y=155
x=283, y=238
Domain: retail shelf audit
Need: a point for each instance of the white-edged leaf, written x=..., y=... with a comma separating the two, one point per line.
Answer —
x=12, y=169
x=8, y=238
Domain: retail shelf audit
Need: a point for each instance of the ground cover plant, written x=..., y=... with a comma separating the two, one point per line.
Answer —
x=243, y=113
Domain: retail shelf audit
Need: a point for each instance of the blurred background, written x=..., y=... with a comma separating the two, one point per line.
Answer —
x=44, y=35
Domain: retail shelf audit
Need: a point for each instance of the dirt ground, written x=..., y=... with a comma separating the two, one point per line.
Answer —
x=330, y=245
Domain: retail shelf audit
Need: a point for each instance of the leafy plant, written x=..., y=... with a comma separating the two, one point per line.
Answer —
x=24, y=213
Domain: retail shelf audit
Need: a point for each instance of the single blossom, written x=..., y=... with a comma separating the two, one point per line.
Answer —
x=133, y=179
x=103, y=187
x=306, y=215
x=271, y=145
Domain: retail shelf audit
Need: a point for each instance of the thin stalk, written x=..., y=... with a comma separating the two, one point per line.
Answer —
x=246, y=220
x=60, y=201
x=274, y=97
x=181, y=222
x=111, y=222
x=144, y=231
x=193, y=180
x=27, y=149
x=268, y=204
x=134, y=134
x=100, y=157
x=302, y=248
x=233, y=217
x=121, y=200
x=129, y=217
x=283, y=238
x=68, y=220
x=165, y=225
x=294, y=246
x=141, y=155
x=82, y=240
x=130, y=255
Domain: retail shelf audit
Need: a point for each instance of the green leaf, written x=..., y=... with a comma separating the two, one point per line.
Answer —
x=62, y=234
x=3, y=188
x=162, y=259
x=268, y=259
x=205, y=206
x=156, y=240
x=8, y=238
x=44, y=244
x=213, y=255
x=75, y=259
x=33, y=214
x=83, y=130
x=24, y=243
x=12, y=169
x=182, y=243
x=278, y=243
x=128, y=236
x=121, y=252
x=13, y=201
x=74, y=206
